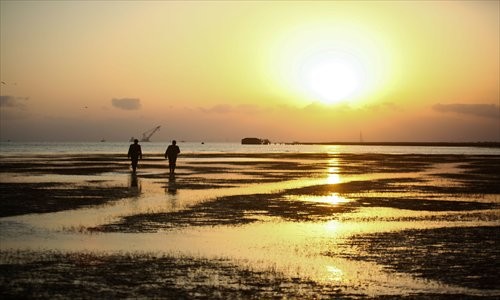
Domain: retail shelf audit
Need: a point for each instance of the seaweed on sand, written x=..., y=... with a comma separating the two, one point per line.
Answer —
x=244, y=209
x=479, y=175
x=23, y=198
x=465, y=256
x=87, y=164
x=90, y=276
x=230, y=210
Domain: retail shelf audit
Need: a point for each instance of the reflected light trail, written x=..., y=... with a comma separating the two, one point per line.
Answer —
x=334, y=273
x=335, y=199
x=332, y=225
x=333, y=176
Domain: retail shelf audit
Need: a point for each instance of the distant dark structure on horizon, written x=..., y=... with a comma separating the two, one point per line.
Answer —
x=255, y=141
x=147, y=135
x=425, y=144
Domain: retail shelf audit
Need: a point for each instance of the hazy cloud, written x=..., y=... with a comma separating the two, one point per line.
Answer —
x=126, y=103
x=13, y=108
x=220, y=109
x=480, y=110
x=321, y=108
x=227, y=108
x=384, y=106
x=12, y=101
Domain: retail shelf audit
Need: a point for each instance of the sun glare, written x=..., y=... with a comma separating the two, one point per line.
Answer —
x=332, y=62
x=332, y=79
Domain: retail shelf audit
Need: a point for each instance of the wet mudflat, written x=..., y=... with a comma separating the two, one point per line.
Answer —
x=141, y=275
x=466, y=256
x=289, y=225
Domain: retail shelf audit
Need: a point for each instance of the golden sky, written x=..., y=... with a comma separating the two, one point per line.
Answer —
x=221, y=71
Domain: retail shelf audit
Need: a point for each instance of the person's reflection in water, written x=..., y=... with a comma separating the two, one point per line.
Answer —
x=134, y=184
x=171, y=192
x=171, y=186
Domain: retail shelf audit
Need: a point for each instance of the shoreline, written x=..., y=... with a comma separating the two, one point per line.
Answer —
x=404, y=144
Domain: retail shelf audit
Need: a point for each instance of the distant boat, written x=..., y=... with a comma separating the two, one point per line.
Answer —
x=103, y=140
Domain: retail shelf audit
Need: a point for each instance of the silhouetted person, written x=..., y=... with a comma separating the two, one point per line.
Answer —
x=135, y=153
x=171, y=153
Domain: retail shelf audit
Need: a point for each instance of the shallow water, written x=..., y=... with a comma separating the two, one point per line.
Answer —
x=293, y=248
x=24, y=148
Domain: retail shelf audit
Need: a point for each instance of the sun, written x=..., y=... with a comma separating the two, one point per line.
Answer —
x=332, y=62
x=332, y=78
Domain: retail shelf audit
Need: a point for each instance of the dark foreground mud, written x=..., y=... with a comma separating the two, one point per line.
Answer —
x=91, y=276
x=464, y=256
x=52, y=275
x=23, y=198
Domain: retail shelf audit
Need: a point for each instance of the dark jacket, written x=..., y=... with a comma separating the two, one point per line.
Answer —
x=135, y=152
x=172, y=152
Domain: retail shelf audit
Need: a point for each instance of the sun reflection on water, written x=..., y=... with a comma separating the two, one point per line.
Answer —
x=332, y=225
x=333, y=199
x=333, y=171
x=333, y=178
x=334, y=273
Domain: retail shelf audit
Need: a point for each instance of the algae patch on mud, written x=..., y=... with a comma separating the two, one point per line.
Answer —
x=24, y=198
x=289, y=205
x=127, y=275
x=466, y=256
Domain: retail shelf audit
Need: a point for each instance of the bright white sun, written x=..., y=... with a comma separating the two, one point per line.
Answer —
x=332, y=79
x=332, y=62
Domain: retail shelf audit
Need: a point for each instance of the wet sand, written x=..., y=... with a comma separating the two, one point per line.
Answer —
x=292, y=225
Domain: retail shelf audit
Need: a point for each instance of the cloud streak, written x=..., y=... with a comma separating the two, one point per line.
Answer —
x=479, y=110
x=126, y=103
x=227, y=108
x=12, y=101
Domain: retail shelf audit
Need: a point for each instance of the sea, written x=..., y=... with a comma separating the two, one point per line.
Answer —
x=156, y=148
